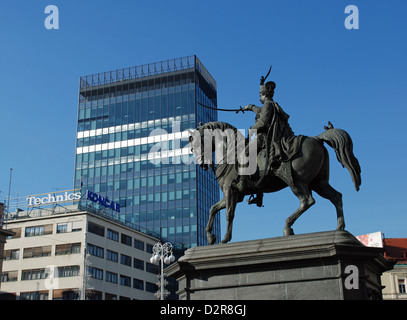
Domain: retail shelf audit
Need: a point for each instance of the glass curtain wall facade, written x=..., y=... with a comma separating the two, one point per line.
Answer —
x=132, y=147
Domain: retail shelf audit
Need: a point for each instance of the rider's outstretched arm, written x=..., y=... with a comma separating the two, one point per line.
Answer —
x=252, y=107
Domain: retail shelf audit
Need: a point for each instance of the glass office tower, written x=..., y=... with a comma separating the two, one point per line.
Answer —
x=132, y=147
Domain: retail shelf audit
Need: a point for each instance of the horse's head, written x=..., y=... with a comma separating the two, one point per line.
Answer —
x=194, y=141
x=195, y=138
x=219, y=137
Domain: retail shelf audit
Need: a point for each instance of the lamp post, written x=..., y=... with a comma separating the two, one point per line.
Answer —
x=163, y=253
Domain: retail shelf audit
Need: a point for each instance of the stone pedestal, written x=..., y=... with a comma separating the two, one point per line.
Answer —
x=325, y=265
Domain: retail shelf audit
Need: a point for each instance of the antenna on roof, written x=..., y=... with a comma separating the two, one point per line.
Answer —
x=9, y=192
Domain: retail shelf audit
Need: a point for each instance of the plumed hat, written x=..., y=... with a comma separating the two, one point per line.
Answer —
x=269, y=86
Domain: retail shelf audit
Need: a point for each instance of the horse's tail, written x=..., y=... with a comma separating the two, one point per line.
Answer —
x=341, y=142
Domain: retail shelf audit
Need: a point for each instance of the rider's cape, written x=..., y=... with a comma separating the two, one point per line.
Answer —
x=278, y=153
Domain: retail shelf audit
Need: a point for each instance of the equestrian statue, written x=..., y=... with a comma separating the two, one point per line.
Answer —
x=281, y=160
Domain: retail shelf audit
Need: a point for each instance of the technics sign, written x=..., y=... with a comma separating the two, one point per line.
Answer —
x=54, y=198
x=74, y=195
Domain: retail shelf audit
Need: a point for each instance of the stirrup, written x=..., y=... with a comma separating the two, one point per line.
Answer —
x=250, y=200
x=255, y=200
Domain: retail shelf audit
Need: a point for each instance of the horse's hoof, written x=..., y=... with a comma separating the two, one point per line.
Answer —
x=341, y=224
x=211, y=238
x=288, y=231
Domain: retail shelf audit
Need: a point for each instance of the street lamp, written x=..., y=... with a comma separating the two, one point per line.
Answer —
x=163, y=253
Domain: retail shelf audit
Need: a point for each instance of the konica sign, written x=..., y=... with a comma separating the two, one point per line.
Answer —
x=104, y=201
x=75, y=195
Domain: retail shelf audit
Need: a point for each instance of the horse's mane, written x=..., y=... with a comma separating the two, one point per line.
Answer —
x=216, y=125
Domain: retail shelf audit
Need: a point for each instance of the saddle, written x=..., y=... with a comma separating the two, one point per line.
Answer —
x=276, y=159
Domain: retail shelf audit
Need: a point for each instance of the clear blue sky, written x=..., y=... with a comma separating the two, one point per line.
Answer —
x=354, y=78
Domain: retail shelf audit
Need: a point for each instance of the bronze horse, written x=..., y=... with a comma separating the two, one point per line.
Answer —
x=310, y=172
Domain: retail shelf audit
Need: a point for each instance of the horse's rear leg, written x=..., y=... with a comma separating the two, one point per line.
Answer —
x=306, y=201
x=325, y=190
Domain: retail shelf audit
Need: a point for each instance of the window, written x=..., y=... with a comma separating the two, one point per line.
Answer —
x=96, y=251
x=38, y=230
x=33, y=274
x=109, y=296
x=111, y=277
x=75, y=226
x=139, y=244
x=68, y=271
x=61, y=294
x=94, y=295
x=151, y=287
x=152, y=268
x=96, y=229
x=17, y=233
x=402, y=285
x=36, y=252
x=34, y=295
x=9, y=276
x=62, y=228
x=112, y=256
x=125, y=281
x=72, y=226
x=149, y=248
x=112, y=235
x=12, y=254
x=138, y=284
x=138, y=264
x=67, y=248
x=95, y=273
x=126, y=260
x=126, y=239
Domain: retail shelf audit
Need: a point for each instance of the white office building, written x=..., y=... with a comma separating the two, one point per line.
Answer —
x=65, y=252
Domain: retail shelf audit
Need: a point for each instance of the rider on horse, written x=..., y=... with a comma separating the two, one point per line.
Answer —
x=274, y=136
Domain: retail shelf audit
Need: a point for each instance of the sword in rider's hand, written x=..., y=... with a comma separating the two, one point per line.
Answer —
x=219, y=109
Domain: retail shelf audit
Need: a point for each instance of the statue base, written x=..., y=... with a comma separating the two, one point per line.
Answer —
x=330, y=265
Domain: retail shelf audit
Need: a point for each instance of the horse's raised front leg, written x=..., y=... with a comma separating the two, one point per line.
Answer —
x=231, y=198
x=212, y=213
